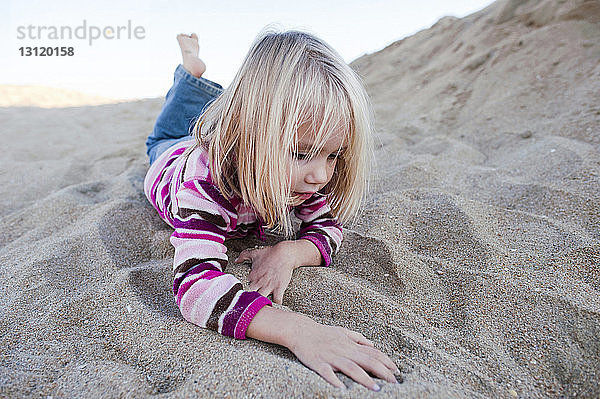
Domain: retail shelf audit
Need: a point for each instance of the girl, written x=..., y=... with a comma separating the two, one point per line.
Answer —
x=291, y=133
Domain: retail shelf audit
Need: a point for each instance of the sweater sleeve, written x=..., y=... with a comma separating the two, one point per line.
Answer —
x=205, y=295
x=319, y=226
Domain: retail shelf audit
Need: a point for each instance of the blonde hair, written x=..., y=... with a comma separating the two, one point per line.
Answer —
x=250, y=130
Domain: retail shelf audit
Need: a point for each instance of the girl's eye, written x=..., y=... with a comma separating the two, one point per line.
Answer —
x=304, y=156
x=300, y=155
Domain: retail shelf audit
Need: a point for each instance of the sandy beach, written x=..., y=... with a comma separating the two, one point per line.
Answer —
x=475, y=264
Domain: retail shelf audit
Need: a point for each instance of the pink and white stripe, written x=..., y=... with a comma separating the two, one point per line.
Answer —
x=182, y=192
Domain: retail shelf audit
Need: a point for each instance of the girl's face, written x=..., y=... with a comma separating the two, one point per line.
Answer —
x=311, y=175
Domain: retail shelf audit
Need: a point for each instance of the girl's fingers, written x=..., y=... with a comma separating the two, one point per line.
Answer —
x=248, y=254
x=376, y=353
x=327, y=373
x=278, y=295
x=383, y=358
x=244, y=256
x=256, y=276
x=376, y=367
x=352, y=370
x=360, y=339
x=256, y=283
x=265, y=291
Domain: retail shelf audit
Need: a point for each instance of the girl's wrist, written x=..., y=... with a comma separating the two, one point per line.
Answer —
x=303, y=252
x=301, y=325
x=278, y=326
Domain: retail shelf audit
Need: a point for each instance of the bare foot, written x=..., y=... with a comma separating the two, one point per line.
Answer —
x=189, y=51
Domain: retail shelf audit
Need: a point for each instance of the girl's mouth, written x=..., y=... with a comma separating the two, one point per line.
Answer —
x=304, y=196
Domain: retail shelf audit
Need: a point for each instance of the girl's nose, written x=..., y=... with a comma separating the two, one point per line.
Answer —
x=317, y=174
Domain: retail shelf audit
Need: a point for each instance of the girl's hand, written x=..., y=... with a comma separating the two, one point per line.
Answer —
x=272, y=269
x=326, y=349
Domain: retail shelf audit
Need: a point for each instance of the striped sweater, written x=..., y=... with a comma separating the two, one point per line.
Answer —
x=182, y=192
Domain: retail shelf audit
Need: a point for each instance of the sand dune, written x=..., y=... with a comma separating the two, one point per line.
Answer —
x=475, y=266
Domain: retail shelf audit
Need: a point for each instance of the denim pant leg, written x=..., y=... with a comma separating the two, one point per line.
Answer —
x=185, y=101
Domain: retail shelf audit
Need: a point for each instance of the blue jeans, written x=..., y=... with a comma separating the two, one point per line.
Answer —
x=185, y=101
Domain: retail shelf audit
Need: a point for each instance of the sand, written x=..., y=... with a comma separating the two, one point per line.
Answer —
x=475, y=264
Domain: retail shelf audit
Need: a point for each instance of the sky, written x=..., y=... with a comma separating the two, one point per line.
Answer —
x=140, y=62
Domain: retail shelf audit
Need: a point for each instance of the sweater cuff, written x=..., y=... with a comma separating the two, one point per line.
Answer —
x=317, y=239
x=248, y=315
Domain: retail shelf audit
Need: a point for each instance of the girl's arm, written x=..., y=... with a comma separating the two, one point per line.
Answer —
x=324, y=349
x=210, y=298
x=319, y=227
x=205, y=295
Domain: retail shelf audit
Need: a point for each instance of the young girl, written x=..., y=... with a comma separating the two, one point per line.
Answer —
x=291, y=133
